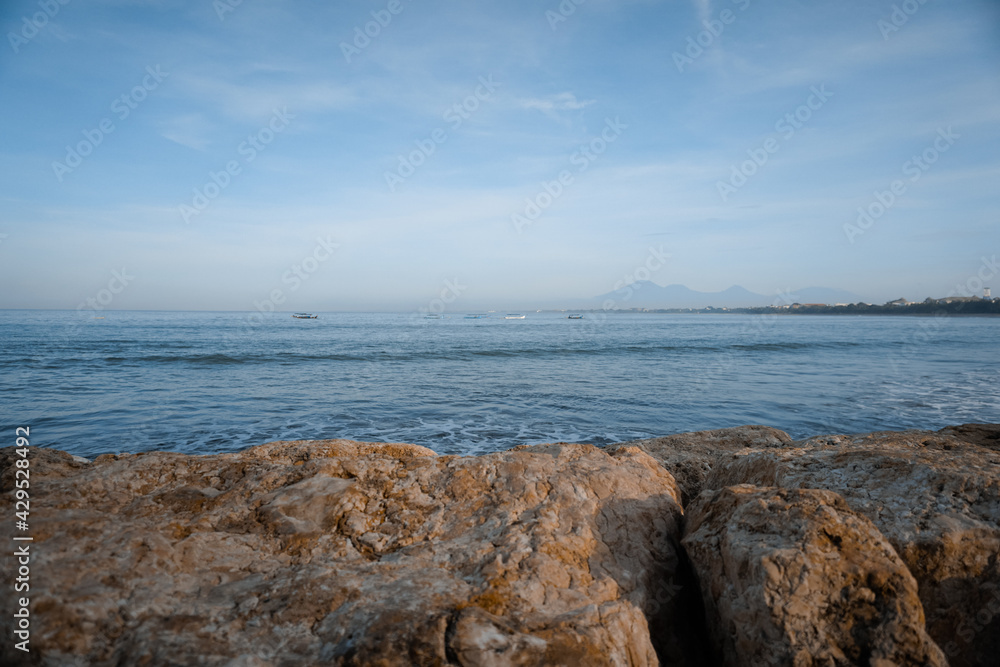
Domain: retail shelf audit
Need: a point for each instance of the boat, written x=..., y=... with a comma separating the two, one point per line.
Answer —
x=473, y=316
x=305, y=316
x=432, y=316
x=513, y=316
x=575, y=317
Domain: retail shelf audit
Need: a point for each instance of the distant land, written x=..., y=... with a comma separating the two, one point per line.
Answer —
x=649, y=295
x=646, y=296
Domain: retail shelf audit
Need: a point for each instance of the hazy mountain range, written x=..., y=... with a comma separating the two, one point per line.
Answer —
x=646, y=294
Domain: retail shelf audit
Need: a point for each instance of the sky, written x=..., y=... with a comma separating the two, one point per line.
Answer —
x=416, y=154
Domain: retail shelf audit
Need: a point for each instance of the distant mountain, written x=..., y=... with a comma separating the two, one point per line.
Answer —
x=647, y=294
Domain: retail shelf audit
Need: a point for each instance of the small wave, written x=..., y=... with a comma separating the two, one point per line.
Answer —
x=787, y=346
x=467, y=353
x=210, y=359
x=228, y=359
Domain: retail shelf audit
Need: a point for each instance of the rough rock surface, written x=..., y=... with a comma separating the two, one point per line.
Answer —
x=795, y=577
x=690, y=456
x=336, y=552
x=934, y=495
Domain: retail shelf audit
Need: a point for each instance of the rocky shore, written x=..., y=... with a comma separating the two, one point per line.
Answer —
x=731, y=547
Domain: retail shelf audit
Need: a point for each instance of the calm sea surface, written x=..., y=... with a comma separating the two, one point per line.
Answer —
x=212, y=382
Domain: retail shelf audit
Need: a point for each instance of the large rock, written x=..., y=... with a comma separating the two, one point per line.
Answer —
x=934, y=495
x=795, y=577
x=337, y=552
x=690, y=456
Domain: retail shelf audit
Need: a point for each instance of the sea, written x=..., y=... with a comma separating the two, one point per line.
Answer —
x=92, y=382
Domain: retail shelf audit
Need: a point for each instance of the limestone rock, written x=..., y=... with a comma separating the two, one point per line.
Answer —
x=934, y=495
x=690, y=456
x=337, y=552
x=795, y=577
x=985, y=435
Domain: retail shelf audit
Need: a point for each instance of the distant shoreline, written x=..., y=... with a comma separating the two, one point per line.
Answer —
x=973, y=308
x=749, y=311
x=983, y=309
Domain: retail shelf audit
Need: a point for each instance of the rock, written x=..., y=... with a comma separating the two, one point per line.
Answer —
x=337, y=552
x=934, y=495
x=690, y=456
x=795, y=577
x=985, y=435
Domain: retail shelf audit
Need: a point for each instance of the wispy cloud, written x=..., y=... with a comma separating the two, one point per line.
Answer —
x=704, y=8
x=553, y=105
x=191, y=130
x=404, y=98
x=253, y=101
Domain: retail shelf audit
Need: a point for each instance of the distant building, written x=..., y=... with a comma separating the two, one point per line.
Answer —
x=986, y=292
x=898, y=302
x=958, y=299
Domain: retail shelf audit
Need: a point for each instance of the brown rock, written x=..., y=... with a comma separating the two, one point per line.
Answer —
x=985, y=435
x=934, y=495
x=337, y=552
x=690, y=456
x=795, y=577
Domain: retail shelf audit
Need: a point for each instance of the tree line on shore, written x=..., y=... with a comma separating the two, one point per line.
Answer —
x=928, y=307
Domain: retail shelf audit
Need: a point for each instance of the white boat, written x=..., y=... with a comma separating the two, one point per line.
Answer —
x=513, y=316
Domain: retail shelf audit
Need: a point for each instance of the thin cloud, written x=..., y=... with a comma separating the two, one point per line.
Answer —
x=191, y=130
x=256, y=101
x=704, y=8
x=553, y=105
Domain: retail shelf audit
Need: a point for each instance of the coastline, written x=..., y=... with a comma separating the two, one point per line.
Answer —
x=646, y=552
x=874, y=311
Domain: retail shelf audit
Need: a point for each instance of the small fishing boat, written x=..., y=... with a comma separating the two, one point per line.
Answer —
x=575, y=317
x=305, y=316
x=473, y=316
x=513, y=316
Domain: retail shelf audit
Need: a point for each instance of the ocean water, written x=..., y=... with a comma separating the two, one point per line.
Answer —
x=198, y=382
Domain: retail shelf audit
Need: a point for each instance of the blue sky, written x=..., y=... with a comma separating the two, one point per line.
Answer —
x=320, y=209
